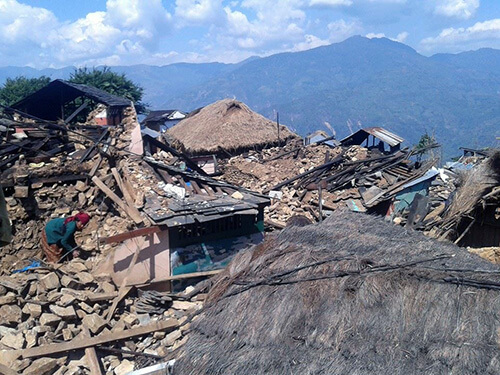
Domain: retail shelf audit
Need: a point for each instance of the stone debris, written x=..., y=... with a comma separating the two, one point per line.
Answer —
x=29, y=321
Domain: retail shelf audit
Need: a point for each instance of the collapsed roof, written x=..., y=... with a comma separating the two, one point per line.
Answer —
x=379, y=133
x=47, y=103
x=226, y=125
x=353, y=295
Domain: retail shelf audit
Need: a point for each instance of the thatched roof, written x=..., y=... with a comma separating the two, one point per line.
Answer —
x=226, y=125
x=470, y=198
x=353, y=295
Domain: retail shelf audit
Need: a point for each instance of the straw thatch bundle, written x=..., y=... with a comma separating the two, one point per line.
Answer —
x=353, y=295
x=226, y=125
x=470, y=200
x=476, y=183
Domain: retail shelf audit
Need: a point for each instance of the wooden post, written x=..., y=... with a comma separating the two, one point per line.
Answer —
x=320, y=205
x=278, y=126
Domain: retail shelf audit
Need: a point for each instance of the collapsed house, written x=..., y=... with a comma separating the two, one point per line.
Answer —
x=353, y=295
x=152, y=223
x=63, y=101
x=374, y=137
x=161, y=120
x=226, y=128
x=472, y=218
x=306, y=179
x=178, y=218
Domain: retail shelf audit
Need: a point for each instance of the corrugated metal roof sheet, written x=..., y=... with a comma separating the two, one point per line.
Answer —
x=384, y=135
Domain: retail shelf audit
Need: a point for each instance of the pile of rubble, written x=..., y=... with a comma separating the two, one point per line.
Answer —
x=42, y=307
x=294, y=175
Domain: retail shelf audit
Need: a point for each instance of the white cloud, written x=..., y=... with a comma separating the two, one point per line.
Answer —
x=375, y=35
x=464, y=9
x=310, y=41
x=18, y=22
x=126, y=29
x=198, y=12
x=481, y=34
x=341, y=30
x=401, y=37
x=330, y=3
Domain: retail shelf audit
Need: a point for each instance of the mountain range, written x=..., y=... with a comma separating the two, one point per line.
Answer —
x=357, y=83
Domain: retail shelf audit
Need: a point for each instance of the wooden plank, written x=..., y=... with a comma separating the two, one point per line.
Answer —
x=196, y=187
x=99, y=297
x=130, y=211
x=79, y=343
x=121, y=185
x=92, y=148
x=91, y=356
x=190, y=163
x=184, y=276
x=122, y=293
x=127, y=184
x=96, y=166
x=131, y=234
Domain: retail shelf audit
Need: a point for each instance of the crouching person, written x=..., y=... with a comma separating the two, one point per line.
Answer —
x=58, y=238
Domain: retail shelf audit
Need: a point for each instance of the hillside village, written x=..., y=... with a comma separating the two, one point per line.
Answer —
x=220, y=241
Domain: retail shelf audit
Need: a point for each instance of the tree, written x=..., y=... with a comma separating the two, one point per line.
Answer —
x=15, y=89
x=114, y=83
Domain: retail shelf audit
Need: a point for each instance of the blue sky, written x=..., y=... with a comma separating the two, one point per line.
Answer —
x=57, y=33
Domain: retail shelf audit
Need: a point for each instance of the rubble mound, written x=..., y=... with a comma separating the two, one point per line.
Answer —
x=353, y=295
x=226, y=126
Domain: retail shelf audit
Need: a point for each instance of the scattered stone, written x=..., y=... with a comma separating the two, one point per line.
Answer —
x=159, y=335
x=14, y=341
x=10, y=314
x=42, y=366
x=172, y=337
x=66, y=300
x=94, y=323
x=184, y=305
x=107, y=287
x=32, y=309
x=85, y=278
x=50, y=281
x=67, y=313
x=70, y=283
x=8, y=299
x=81, y=186
x=51, y=320
x=124, y=367
x=85, y=307
x=31, y=339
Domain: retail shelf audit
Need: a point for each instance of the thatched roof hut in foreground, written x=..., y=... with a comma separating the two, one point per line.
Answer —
x=226, y=125
x=353, y=295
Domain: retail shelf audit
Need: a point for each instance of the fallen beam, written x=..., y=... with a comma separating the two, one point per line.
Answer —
x=189, y=162
x=82, y=343
x=182, y=277
x=91, y=356
x=132, y=234
x=133, y=212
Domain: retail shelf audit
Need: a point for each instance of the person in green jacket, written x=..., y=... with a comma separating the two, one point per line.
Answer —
x=58, y=238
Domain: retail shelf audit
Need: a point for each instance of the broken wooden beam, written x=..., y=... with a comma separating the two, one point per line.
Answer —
x=81, y=343
x=91, y=355
x=183, y=276
x=131, y=234
x=189, y=162
x=133, y=212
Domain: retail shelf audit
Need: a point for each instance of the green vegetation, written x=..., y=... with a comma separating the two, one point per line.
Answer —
x=20, y=87
x=109, y=81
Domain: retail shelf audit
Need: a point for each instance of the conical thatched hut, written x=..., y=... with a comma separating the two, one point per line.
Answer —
x=226, y=126
x=353, y=295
